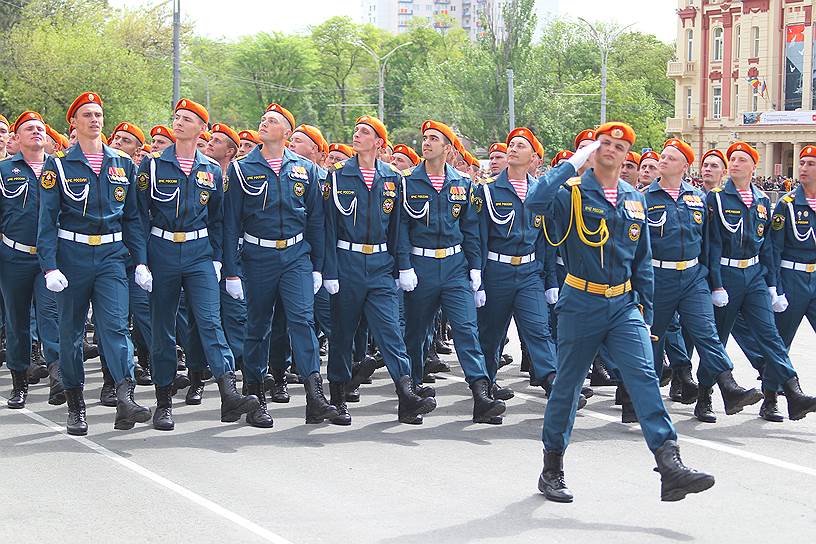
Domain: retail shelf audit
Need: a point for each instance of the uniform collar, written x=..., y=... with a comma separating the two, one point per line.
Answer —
x=730, y=188
x=503, y=180
x=589, y=181
x=255, y=156
x=420, y=173
x=352, y=168
x=685, y=187
x=799, y=197
x=169, y=155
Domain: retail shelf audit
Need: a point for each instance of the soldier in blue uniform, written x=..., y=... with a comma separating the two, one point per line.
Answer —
x=606, y=300
x=744, y=277
x=362, y=231
x=21, y=278
x=677, y=225
x=441, y=265
x=180, y=201
x=88, y=230
x=276, y=206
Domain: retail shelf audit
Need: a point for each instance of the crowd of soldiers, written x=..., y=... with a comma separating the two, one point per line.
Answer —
x=264, y=243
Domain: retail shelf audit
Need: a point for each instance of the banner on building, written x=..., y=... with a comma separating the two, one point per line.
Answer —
x=794, y=66
x=779, y=118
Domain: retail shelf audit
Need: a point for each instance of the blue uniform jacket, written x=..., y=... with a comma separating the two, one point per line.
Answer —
x=85, y=203
x=260, y=203
x=173, y=201
x=19, y=200
x=677, y=230
x=627, y=254
x=434, y=220
x=793, y=232
x=737, y=232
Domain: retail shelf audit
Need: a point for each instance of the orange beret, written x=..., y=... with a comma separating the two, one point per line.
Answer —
x=104, y=138
x=4, y=120
x=251, y=135
x=283, y=111
x=64, y=141
x=25, y=117
x=682, y=147
x=498, y=147
x=528, y=135
x=744, y=147
x=561, y=156
x=195, y=107
x=206, y=136
x=472, y=160
x=408, y=152
x=54, y=135
x=375, y=124
x=617, y=130
x=808, y=151
x=227, y=131
x=161, y=130
x=81, y=100
x=715, y=153
x=459, y=146
x=441, y=127
x=146, y=148
x=314, y=134
x=587, y=134
x=649, y=155
x=633, y=156
x=131, y=129
x=346, y=150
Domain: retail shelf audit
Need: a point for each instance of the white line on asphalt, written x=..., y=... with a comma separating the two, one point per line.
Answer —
x=216, y=509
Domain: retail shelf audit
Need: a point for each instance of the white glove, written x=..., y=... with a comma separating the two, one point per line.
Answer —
x=332, y=286
x=772, y=292
x=479, y=297
x=780, y=304
x=144, y=278
x=408, y=280
x=217, y=266
x=317, y=281
x=719, y=298
x=56, y=281
x=235, y=288
x=475, y=279
x=583, y=154
x=551, y=295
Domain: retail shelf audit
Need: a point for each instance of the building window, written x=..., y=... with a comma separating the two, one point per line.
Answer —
x=688, y=102
x=718, y=43
x=716, y=103
x=754, y=41
x=755, y=99
x=737, y=40
x=689, y=45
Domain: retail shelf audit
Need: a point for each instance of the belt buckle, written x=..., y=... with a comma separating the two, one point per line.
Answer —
x=440, y=253
x=280, y=244
x=682, y=265
x=609, y=292
x=95, y=240
x=515, y=260
x=743, y=263
x=810, y=267
x=32, y=250
x=179, y=237
x=367, y=249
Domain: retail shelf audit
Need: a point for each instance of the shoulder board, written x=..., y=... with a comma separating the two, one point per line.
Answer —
x=60, y=154
x=122, y=153
x=156, y=154
x=573, y=181
x=339, y=165
x=485, y=181
x=762, y=194
x=787, y=199
x=407, y=171
x=716, y=189
x=395, y=169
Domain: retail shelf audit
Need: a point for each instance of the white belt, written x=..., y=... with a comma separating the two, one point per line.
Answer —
x=675, y=265
x=739, y=263
x=31, y=250
x=559, y=261
x=511, y=259
x=90, y=239
x=801, y=267
x=436, y=253
x=277, y=244
x=178, y=237
x=366, y=249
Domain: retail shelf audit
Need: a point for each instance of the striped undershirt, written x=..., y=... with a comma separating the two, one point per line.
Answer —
x=37, y=167
x=437, y=182
x=95, y=160
x=275, y=165
x=812, y=203
x=674, y=193
x=520, y=185
x=611, y=195
x=185, y=164
x=747, y=197
x=368, y=176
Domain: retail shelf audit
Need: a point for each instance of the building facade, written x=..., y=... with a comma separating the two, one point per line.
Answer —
x=395, y=16
x=745, y=70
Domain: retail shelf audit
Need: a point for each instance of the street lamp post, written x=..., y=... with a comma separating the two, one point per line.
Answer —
x=381, y=62
x=604, y=40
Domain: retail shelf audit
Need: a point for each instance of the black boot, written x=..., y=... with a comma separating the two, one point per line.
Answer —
x=19, y=391
x=703, y=410
x=181, y=360
x=89, y=351
x=486, y=409
x=799, y=404
x=676, y=479
x=435, y=365
x=599, y=377
x=163, y=416
x=666, y=374
x=683, y=388
x=280, y=391
x=77, y=424
x=352, y=395
x=551, y=482
x=442, y=348
x=128, y=412
x=233, y=404
x=318, y=408
x=56, y=394
x=425, y=391
x=260, y=417
x=735, y=397
x=179, y=382
x=363, y=372
x=628, y=414
x=427, y=377
x=505, y=359
x=526, y=362
x=501, y=393
x=587, y=392
x=410, y=404
x=107, y=396
x=196, y=390
x=35, y=372
x=547, y=385
x=769, y=411
x=143, y=376
x=338, y=400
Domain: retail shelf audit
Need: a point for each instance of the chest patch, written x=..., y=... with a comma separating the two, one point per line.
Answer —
x=634, y=232
x=298, y=188
x=119, y=193
x=388, y=205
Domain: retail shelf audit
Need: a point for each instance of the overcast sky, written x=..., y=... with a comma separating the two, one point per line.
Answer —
x=234, y=18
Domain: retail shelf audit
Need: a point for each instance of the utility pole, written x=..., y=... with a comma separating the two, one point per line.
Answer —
x=511, y=99
x=381, y=62
x=176, y=52
x=605, y=39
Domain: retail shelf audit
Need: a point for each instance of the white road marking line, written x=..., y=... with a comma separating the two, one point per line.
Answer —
x=216, y=509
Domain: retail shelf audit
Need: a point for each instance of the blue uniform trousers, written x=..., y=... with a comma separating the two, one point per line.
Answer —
x=800, y=290
x=677, y=344
x=746, y=341
x=585, y=323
